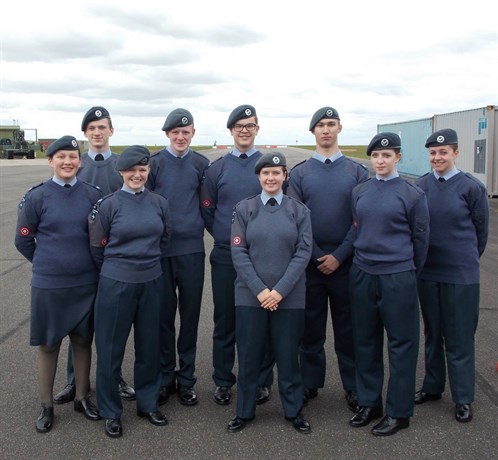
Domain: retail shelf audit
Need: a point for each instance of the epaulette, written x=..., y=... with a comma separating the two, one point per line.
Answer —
x=155, y=152
x=300, y=163
x=200, y=154
x=426, y=174
x=475, y=179
x=95, y=207
x=91, y=185
x=23, y=199
x=415, y=187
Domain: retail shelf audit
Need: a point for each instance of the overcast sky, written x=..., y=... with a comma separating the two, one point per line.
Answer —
x=374, y=61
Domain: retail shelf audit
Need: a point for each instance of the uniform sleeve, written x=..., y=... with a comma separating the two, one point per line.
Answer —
x=98, y=229
x=419, y=224
x=27, y=225
x=209, y=197
x=479, y=209
x=240, y=253
x=301, y=256
x=166, y=215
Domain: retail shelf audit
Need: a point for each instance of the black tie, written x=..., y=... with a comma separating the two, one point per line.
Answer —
x=67, y=185
x=441, y=179
x=328, y=161
x=99, y=157
x=139, y=193
x=243, y=156
x=272, y=201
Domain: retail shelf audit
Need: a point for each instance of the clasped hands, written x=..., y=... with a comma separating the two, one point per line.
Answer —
x=269, y=299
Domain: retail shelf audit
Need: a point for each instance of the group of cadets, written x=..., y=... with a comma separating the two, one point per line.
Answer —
x=288, y=246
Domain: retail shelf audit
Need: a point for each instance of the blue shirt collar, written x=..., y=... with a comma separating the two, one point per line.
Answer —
x=183, y=154
x=448, y=175
x=236, y=152
x=394, y=175
x=265, y=197
x=127, y=189
x=62, y=183
x=322, y=158
x=106, y=154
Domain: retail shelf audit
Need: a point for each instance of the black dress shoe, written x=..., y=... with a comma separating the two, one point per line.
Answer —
x=300, y=424
x=126, y=392
x=155, y=417
x=237, y=423
x=45, y=420
x=352, y=400
x=309, y=393
x=365, y=415
x=421, y=397
x=165, y=392
x=187, y=395
x=88, y=409
x=223, y=395
x=113, y=427
x=390, y=425
x=67, y=394
x=463, y=413
x=263, y=395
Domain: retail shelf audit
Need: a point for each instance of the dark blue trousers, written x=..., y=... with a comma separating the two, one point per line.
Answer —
x=322, y=291
x=183, y=284
x=450, y=313
x=118, y=307
x=284, y=329
x=390, y=303
x=223, y=276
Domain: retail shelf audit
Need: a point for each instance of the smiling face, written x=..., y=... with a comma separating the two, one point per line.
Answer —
x=180, y=138
x=245, y=138
x=135, y=177
x=384, y=161
x=98, y=133
x=65, y=164
x=443, y=158
x=326, y=131
x=271, y=179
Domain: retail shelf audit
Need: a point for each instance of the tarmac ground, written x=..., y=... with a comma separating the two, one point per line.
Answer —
x=199, y=432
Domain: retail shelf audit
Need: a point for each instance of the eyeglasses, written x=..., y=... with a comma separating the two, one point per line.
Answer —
x=250, y=127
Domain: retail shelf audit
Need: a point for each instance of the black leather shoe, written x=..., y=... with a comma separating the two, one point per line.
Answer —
x=300, y=424
x=88, y=409
x=236, y=424
x=223, y=395
x=352, y=400
x=45, y=420
x=309, y=393
x=155, y=417
x=67, y=394
x=187, y=395
x=263, y=395
x=165, y=393
x=463, y=413
x=126, y=392
x=113, y=427
x=390, y=425
x=365, y=415
x=421, y=397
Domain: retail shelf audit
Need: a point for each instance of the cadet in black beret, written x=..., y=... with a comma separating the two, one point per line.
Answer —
x=63, y=143
x=324, y=112
x=178, y=118
x=227, y=181
x=241, y=112
x=442, y=137
x=136, y=224
x=93, y=114
x=176, y=173
x=133, y=155
x=270, y=159
x=98, y=167
x=384, y=141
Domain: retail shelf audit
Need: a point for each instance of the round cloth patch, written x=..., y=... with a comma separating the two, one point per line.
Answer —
x=236, y=240
x=103, y=242
x=24, y=231
x=206, y=203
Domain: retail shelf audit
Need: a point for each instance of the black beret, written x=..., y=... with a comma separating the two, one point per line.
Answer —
x=131, y=156
x=384, y=141
x=95, y=113
x=270, y=159
x=324, y=112
x=442, y=137
x=178, y=118
x=239, y=113
x=64, y=143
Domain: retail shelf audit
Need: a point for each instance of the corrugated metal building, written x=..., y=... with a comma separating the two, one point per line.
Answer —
x=477, y=143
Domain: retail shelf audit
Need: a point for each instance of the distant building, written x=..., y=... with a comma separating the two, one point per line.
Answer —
x=477, y=143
